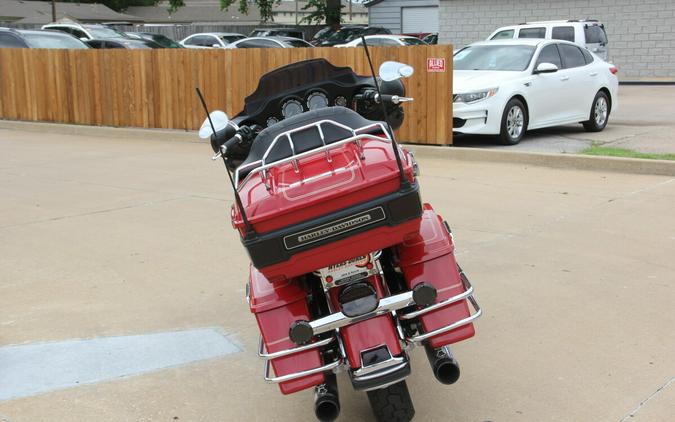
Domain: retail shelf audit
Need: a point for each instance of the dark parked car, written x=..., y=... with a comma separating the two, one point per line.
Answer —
x=13, y=38
x=349, y=33
x=160, y=39
x=278, y=32
x=122, y=43
x=324, y=34
x=431, y=39
x=269, y=42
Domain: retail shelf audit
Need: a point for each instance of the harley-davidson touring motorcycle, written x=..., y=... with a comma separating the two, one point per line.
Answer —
x=349, y=269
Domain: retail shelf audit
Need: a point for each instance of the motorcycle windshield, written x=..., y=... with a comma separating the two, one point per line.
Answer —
x=296, y=76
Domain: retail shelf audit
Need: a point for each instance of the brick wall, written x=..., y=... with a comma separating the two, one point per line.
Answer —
x=641, y=34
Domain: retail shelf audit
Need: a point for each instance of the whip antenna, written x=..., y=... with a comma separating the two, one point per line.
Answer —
x=404, y=180
x=237, y=198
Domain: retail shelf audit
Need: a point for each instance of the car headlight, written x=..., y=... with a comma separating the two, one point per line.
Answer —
x=472, y=97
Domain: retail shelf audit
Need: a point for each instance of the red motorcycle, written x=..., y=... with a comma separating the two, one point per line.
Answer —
x=349, y=270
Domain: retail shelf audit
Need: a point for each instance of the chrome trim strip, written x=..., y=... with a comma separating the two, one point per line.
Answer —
x=385, y=306
x=435, y=306
x=382, y=373
x=299, y=374
x=425, y=336
x=262, y=354
x=381, y=368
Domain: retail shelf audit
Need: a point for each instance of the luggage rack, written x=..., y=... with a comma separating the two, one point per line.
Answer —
x=467, y=295
x=261, y=166
x=268, y=357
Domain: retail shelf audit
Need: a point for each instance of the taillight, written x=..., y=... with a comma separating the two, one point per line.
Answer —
x=614, y=70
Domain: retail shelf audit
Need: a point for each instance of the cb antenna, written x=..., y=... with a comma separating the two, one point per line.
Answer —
x=404, y=180
x=237, y=198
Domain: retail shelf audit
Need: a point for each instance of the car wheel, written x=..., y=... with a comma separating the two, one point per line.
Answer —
x=514, y=122
x=599, y=113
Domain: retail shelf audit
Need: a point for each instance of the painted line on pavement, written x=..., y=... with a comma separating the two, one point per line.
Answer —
x=30, y=369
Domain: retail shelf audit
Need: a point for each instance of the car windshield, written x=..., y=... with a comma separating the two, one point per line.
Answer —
x=231, y=38
x=345, y=34
x=36, y=40
x=105, y=33
x=297, y=43
x=412, y=41
x=494, y=57
x=165, y=41
x=324, y=33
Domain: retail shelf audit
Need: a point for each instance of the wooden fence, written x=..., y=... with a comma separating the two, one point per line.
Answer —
x=155, y=88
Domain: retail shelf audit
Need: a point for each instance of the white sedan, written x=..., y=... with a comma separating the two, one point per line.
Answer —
x=385, y=41
x=508, y=87
x=211, y=39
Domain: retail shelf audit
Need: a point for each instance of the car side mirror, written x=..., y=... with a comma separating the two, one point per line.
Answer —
x=84, y=39
x=545, y=68
x=215, y=45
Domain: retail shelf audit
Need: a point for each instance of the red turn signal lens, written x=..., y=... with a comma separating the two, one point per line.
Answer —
x=614, y=70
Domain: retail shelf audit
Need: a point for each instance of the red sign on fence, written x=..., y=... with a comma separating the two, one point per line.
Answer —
x=435, y=64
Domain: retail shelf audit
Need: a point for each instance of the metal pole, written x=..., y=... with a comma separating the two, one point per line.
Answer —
x=53, y=10
x=350, y=10
x=296, y=12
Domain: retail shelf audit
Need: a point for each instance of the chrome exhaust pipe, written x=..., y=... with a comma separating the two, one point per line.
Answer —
x=443, y=364
x=327, y=400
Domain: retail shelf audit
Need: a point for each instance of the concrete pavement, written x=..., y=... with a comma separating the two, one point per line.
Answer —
x=574, y=271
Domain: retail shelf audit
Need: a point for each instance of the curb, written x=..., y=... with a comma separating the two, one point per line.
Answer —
x=102, y=131
x=561, y=161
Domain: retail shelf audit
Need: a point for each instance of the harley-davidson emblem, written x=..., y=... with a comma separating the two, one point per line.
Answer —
x=334, y=228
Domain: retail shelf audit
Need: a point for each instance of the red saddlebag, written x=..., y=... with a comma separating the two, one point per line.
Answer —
x=428, y=257
x=276, y=306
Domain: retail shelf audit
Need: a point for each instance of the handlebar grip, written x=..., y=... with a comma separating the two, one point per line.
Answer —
x=230, y=143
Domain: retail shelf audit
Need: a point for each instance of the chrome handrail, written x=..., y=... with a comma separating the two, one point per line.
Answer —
x=435, y=306
x=262, y=166
x=299, y=374
x=287, y=352
x=425, y=336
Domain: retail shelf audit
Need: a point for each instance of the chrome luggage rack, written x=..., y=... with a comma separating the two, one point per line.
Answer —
x=389, y=304
x=261, y=166
x=268, y=357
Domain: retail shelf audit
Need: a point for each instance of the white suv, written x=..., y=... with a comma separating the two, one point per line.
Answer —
x=586, y=33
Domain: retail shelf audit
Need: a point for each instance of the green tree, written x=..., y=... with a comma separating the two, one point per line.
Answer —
x=323, y=9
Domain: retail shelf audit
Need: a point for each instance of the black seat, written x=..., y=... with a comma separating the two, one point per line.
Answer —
x=307, y=139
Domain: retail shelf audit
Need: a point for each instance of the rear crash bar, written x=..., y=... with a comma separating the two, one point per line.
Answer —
x=339, y=320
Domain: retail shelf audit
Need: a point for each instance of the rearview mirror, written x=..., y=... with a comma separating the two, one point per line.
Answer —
x=391, y=71
x=546, y=68
x=219, y=119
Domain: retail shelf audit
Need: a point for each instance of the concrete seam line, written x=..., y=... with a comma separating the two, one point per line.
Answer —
x=563, y=161
x=644, y=402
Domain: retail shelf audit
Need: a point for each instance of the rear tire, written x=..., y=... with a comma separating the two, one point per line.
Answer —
x=392, y=404
x=514, y=122
x=599, y=116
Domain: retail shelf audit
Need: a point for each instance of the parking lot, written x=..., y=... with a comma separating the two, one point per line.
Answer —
x=643, y=122
x=110, y=238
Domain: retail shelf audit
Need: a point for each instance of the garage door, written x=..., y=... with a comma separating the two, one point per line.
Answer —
x=419, y=19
